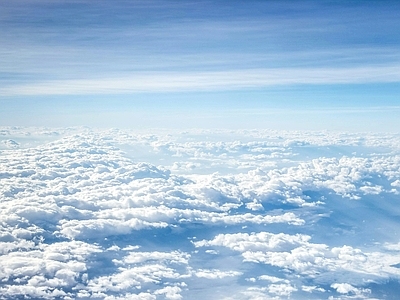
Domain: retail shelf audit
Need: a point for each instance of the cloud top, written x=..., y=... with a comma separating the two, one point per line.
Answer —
x=84, y=219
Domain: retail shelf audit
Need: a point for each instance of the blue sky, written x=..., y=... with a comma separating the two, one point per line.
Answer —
x=270, y=64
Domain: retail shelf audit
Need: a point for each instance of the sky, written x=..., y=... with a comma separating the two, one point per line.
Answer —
x=201, y=64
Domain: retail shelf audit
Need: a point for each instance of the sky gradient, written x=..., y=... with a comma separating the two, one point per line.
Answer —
x=269, y=64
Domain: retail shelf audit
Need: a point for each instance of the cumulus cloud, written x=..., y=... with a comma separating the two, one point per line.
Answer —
x=295, y=253
x=348, y=289
x=85, y=216
x=255, y=241
x=45, y=270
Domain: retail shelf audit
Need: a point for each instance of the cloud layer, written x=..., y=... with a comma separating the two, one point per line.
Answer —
x=115, y=214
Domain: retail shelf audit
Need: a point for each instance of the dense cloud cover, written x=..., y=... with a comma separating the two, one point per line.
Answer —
x=112, y=214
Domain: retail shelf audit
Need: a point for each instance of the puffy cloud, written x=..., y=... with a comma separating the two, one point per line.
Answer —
x=295, y=253
x=281, y=289
x=256, y=241
x=45, y=271
x=103, y=227
x=170, y=292
x=84, y=217
x=345, y=288
x=312, y=288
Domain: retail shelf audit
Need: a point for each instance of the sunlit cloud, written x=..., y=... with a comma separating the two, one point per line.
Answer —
x=84, y=219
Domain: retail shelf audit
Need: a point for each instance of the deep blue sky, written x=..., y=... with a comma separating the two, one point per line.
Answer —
x=272, y=64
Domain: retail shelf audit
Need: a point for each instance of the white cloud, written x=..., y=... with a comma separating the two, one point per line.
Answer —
x=216, y=274
x=272, y=279
x=205, y=81
x=170, y=292
x=128, y=296
x=140, y=257
x=45, y=270
x=255, y=241
x=281, y=289
x=141, y=270
x=81, y=218
x=345, y=288
x=297, y=254
x=103, y=227
x=312, y=288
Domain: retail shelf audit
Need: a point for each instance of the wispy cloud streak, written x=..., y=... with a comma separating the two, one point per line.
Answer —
x=207, y=81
